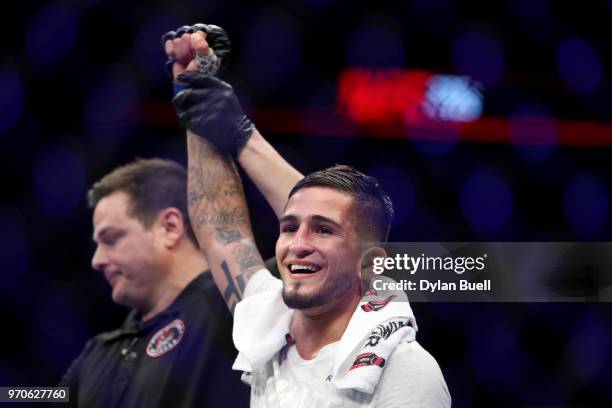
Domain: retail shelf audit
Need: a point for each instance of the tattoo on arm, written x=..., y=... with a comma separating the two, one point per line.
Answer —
x=250, y=261
x=228, y=235
x=247, y=257
x=195, y=191
x=232, y=294
x=217, y=207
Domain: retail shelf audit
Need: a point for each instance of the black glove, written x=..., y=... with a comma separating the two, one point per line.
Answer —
x=218, y=40
x=216, y=37
x=210, y=109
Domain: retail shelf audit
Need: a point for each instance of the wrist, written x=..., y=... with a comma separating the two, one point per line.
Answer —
x=177, y=87
x=252, y=149
x=244, y=137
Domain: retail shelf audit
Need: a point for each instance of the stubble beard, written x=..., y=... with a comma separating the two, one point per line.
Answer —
x=332, y=290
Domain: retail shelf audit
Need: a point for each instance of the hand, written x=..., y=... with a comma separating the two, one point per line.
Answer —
x=201, y=47
x=210, y=109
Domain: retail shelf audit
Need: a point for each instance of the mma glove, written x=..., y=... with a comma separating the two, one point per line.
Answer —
x=209, y=107
x=216, y=37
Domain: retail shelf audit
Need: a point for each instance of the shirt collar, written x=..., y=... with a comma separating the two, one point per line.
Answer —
x=133, y=323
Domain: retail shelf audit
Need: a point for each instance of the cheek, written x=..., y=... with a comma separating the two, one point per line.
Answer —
x=116, y=257
x=348, y=260
x=281, y=247
x=134, y=259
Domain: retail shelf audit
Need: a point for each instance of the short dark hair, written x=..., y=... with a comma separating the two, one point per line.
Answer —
x=152, y=185
x=374, y=207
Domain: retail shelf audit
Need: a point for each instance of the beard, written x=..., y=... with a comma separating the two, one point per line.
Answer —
x=331, y=290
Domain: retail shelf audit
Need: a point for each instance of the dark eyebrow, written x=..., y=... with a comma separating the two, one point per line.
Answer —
x=287, y=218
x=102, y=233
x=316, y=217
x=321, y=218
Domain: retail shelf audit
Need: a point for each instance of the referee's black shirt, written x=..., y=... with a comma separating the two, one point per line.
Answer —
x=180, y=358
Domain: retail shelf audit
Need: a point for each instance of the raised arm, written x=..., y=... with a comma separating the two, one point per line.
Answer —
x=270, y=172
x=220, y=218
x=272, y=175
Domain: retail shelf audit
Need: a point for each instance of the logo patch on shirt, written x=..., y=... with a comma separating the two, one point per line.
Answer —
x=368, y=359
x=371, y=292
x=166, y=338
x=376, y=305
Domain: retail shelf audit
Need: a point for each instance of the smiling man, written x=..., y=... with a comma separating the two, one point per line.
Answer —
x=320, y=337
x=320, y=232
x=309, y=339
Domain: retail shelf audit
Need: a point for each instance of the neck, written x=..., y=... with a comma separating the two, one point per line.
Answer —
x=315, y=328
x=184, y=266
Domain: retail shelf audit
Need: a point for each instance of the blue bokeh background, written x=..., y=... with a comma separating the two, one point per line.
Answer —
x=82, y=90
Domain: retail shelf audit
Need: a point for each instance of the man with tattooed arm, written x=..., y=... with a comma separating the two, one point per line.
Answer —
x=310, y=339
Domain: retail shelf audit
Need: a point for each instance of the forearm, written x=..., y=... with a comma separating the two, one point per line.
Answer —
x=220, y=219
x=270, y=172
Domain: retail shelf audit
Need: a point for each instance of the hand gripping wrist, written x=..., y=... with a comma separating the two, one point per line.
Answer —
x=210, y=108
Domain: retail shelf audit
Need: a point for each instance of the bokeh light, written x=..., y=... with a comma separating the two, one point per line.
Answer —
x=110, y=109
x=589, y=349
x=533, y=131
x=11, y=100
x=479, y=55
x=59, y=183
x=579, y=66
x=51, y=33
x=586, y=203
x=496, y=355
x=486, y=201
x=545, y=393
x=375, y=45
x=452, y=98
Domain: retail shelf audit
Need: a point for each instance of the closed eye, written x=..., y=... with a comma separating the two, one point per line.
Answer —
x=110, y=241
x=111, y=238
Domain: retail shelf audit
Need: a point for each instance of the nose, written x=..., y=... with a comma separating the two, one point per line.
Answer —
x=301, y=244
x=99, y=259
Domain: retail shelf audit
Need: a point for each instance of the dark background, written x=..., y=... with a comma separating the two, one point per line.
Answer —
x=82, y=90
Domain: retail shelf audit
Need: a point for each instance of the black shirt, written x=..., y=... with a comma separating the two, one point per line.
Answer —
x=180, y=358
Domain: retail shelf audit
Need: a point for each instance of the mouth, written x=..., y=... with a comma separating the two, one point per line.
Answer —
x=303, y=269
x=112, y=277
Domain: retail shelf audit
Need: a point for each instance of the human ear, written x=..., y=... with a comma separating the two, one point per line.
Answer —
x=367, y=263
x=171, y=225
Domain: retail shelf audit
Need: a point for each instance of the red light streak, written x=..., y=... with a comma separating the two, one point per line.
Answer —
x=383, y=96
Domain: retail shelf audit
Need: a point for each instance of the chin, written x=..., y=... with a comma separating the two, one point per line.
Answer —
x=296, y=297
x=295, y=300
x=121, y=298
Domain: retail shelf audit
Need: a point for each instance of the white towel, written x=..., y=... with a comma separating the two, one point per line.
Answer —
x=382, y=320
x=260, y=324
